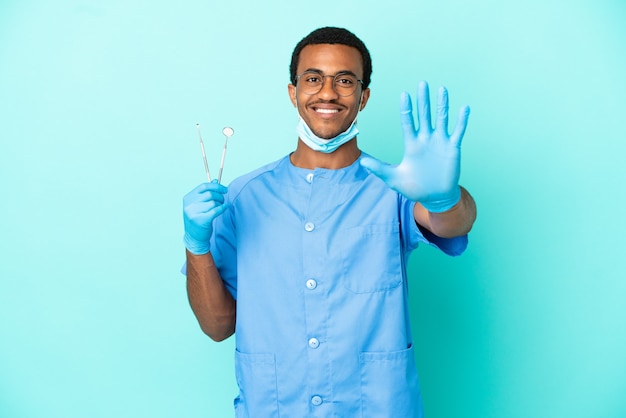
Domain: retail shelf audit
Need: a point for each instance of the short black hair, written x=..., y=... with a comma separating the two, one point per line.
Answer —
x=332, y=35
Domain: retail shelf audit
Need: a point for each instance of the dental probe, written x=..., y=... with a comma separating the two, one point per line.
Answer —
x=206, y=165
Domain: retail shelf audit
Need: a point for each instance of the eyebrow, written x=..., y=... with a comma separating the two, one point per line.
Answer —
x=317, y=70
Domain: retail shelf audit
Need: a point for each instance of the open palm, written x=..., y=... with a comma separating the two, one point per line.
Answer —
x=430, y=169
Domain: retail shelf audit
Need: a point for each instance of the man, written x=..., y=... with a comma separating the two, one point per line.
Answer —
x=305, y=259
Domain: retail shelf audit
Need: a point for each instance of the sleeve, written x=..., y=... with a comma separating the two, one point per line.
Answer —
x=414, y=235
x=224, y=248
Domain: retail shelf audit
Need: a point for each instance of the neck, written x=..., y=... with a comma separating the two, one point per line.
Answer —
x=345, y=155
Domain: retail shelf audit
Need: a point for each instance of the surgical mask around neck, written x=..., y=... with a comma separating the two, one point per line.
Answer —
x=326, y=145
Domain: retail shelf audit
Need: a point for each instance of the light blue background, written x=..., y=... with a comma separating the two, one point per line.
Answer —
x=98, y=145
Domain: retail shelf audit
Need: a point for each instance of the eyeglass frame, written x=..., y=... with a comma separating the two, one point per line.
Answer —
x=334, y=77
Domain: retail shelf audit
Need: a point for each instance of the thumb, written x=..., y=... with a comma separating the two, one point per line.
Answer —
x=376, y=167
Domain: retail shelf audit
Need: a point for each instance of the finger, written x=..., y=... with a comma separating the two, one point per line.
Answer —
x=423, y=107
x=204, y=192
x=214, y=212
x=210, y=196
x=203, y=212
x=213, y=186
x=442, y=111
x=406, y=115
x=205, y=196
x=461, y=125
x=377, y=167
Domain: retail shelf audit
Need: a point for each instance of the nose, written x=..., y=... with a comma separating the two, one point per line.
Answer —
x=327, y=92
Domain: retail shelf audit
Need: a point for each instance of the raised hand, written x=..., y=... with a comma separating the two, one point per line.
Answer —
x=430, y=169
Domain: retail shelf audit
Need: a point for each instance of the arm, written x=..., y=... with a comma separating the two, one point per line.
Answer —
x=449, y=224
x=211, y=302
x=430, y=169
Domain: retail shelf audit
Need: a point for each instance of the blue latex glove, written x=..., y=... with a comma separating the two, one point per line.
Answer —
x=200, y=207
x=430, y=169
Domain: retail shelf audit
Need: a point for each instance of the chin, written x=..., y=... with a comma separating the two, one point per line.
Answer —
x=326, y=134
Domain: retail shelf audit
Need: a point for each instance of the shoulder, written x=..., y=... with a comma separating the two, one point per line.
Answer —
x=244, y=181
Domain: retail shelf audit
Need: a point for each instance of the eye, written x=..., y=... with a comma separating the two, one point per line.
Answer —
x=345, y=80
x=312, y=78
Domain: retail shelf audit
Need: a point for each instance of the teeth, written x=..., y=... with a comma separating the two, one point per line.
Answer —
x=327, y=110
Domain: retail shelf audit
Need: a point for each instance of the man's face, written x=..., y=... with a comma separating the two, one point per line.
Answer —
x=327, y=113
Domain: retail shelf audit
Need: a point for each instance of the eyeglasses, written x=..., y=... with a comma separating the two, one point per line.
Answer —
x=311, y=82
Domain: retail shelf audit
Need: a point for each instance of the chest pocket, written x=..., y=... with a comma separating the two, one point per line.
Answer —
x=371, y=257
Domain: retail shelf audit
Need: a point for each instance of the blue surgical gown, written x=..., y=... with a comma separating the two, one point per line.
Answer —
x=316, y=260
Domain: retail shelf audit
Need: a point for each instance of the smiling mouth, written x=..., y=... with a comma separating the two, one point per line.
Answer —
x=326, y=111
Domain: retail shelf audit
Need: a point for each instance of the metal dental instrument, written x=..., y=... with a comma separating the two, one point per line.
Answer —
x=206, y=166
x=228, y=132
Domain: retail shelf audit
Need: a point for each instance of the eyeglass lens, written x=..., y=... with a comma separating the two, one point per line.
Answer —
x=311, y=82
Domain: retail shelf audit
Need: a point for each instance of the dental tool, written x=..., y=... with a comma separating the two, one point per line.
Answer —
x=228, y=132
x=206, y=165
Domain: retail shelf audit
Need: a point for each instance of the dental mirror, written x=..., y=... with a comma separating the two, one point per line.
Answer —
x=228, y=132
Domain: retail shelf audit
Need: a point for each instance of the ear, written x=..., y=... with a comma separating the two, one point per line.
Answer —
x=366, y=97
x=292, y=94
